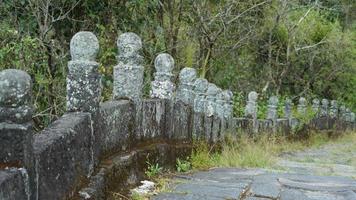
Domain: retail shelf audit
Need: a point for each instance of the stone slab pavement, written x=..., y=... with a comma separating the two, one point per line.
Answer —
x=325, y=173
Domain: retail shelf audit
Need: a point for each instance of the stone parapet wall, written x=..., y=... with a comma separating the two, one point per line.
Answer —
x=97, y=145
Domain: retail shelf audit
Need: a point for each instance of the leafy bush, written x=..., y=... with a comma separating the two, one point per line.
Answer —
x=183, y=165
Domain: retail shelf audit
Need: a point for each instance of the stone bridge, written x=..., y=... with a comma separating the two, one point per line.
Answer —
x=97, y=147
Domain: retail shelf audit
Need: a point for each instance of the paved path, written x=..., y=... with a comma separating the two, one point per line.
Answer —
x=326, y=173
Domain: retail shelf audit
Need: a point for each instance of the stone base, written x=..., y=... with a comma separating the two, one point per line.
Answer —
x=64, y=156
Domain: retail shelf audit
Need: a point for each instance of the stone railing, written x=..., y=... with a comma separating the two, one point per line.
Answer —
x=98, y=147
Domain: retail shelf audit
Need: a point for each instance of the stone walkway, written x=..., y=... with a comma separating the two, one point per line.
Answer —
x=326, y=173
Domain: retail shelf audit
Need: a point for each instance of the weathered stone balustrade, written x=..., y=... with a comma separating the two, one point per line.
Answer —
x=97, y=147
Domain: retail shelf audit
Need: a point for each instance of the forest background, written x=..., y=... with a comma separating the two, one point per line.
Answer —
x=276, y=47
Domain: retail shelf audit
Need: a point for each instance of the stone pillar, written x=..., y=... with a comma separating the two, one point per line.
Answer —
x=333, y=109
x=251, y=110
x=162, y=86
x=302, y=106
x=272, y=113
x=128, y=73
x=200, y=87
x=83, y=79
x=316, y=106
x=324, y=107
x=227, y=113
x=16, y=128
x=212, y=113
x=15, y=118
x=185, y=92
x=288, y=104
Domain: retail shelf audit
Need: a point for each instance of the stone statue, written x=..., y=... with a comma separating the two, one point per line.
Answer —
x=16, y=110
x=211, y=107
x=83, y=79
x=316, y=106
x=272, y=112
x=200, y=87
x=228, y=104
x=185, y=90
x=302, y=106
x=333, y=109
x=162, y=86
x=324, y=107
x=128, y=74
x=342, y=113
x=251, y=106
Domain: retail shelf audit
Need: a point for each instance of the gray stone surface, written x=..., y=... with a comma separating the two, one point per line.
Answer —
x=84, y=46
x=16, y=131
x=200, y=88
x=15, y=96
x=117, y=121
x=302, y=106
x=324, y=110
x=333, y=113
x=128, y=74
x=185, y=91
x=64, y=154
x=286, y=183
x=251, y=110
x=198, y=126
x=272, y=112
x=83, y=78
x=251, y=105
x=154, y=112
x=211, y=107
x=182, y=122
x=162, y=87
x=316, y=106
x=13, y=185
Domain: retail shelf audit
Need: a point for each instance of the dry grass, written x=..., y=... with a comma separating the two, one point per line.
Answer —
x=262, y=151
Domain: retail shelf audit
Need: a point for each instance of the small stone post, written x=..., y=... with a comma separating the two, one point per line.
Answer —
x=185, y=92
x=16, y=128
x=251, y=110
x=226, y=105
x=302, y=106
x=162, y=86
x=212, y=120
x=128, y=74
x=316, y=106
x=83, y=79
x=333, y=109
x=15, y=118
x=272, y=113
x=324, y=107
x=200, y=87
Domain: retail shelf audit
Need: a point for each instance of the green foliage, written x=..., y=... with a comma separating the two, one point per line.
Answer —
x=183, y=165
x=153, y=170
x=303, y=119
x=289, y=49
x=238, y=104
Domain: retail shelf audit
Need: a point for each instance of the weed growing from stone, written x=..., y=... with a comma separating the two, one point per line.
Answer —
x=153, y=170
x=183, y=165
